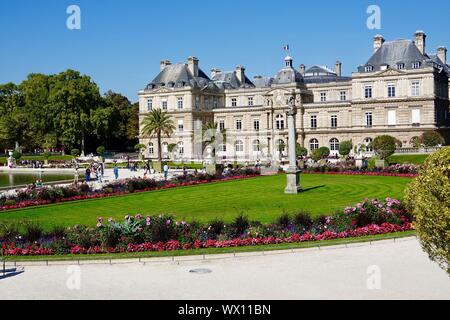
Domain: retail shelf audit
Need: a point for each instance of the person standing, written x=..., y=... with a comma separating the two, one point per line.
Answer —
x=76, y=176
x=99, y=174
x=166, y=171
x=116, y=172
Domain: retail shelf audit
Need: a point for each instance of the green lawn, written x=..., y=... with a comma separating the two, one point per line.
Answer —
x=408, y=158
x=259, y=198
x=40, y=158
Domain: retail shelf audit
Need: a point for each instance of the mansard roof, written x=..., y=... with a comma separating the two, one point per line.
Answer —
x=288, y=75
x=262, y=82
x=322, y=74
x=229, y=80
x=178, y=76
x=392, y=53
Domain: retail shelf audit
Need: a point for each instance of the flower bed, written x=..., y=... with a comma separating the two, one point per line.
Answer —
x=348, y=168
x=368, y=173
x=163, y=233
x=48, y=195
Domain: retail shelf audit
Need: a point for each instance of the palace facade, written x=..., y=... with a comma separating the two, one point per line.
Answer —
x=402, y=91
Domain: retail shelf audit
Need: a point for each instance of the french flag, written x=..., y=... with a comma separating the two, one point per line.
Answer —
x=286, y=48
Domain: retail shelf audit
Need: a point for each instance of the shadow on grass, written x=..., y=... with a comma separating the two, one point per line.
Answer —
x=312, y=188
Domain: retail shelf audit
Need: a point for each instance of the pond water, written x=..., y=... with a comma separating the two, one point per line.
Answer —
x=19, y=179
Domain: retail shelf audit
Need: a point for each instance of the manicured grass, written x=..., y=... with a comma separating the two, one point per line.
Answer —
x=261, y=199
x=408, y=158
x=179, y=253
x=40, y=158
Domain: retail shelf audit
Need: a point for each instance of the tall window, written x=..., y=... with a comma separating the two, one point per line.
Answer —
x=280, y=122
x=256, y=124
x=313, y=122
x=216, y=103
x=415, y=88
x=323, y=96
x=238, y=124
x=250, y=101
x=392, y=118
x=281, y=146
x=164, y=105
x=233, y=102
x=149, y=104
x=256, y=146
x=180, y=103
x=334, y=120
x=391, y=90
x=181, y=148
x=368, y=143
x=180, y=125
x=151, y=148
x=415, y=116
x=221, y=125
x=343, y=95
x=369, y=119
x=239, y=146
x=165, y=147
x=334, y=144
x=368, y=92
x=314, y=144
x=197, y=102
x=223, y=148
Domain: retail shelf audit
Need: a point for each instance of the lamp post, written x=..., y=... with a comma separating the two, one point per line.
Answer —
x=292, y=173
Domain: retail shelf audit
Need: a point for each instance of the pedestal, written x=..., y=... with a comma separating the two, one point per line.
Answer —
x=293, y=181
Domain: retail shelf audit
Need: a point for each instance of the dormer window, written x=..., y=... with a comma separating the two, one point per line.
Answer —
x=368, y=68
x=416, y=65
x=400, y=66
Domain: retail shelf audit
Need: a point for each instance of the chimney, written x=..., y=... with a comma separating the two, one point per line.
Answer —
x=442, y=54
x=164, y=64
x=378, y=41
x=302, y=69
x=421, y=39
x=338, y=68
x=214, y=72
x=193, y=66
x=240, y=74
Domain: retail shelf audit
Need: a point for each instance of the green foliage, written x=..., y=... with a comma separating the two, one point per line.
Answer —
x=416, y=141
x=320, y=153
x=432, y=139
x=75, y=152
x=47, y=155
x=345, y=147
x=301, y=151
x=101, y=150
x=384, y=146
x=17, y=154
x=428, y=198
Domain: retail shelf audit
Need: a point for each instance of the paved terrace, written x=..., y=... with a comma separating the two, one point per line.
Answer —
x=340, y=272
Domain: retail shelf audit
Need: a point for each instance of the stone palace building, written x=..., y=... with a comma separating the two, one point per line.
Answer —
x=402, y=91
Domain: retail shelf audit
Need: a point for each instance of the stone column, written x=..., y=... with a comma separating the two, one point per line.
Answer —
x=292, y=173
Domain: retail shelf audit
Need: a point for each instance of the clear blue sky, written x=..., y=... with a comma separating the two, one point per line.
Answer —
x=121, y=42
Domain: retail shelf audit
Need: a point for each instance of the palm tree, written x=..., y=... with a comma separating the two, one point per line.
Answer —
x=156, y=124
x=209, y=138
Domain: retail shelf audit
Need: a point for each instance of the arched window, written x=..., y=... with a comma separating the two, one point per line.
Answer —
x=256, y=146
x=151, y=148
x=181, y=148
x=334, y=144
x=280, y=122
x=223, y=148
x=281, y=146
x=239, y=146
x=313, y=144
x=368, y=143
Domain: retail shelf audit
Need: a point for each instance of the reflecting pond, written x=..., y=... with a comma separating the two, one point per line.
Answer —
x=19, y=179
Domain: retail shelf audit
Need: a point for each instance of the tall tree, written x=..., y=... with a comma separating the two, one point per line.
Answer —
x=156, y=124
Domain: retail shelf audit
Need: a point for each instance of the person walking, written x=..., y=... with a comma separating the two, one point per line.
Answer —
x=166, y=171
x=88, y=174
x=116, y=172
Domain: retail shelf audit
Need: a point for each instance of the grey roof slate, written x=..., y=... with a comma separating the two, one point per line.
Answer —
x=393, y=52
x=288, y=75
x=321, y=74
x=229, y=80
x=262, y=82
x=178, y=75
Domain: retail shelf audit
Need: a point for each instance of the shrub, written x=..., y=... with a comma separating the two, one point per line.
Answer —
x=345, y=147
x=283, y=221
x=17, y=154
x=320, y=153
x=101, y=150
x=216, y=228
x=9, y=231
x=303, y=221
x=301, y=151
x=239, y=226
x=75, y=152
x=58, y=232
x=416, y=141
x=428, y=199
x=432, y=139
x=384, y=146
x=33, y=231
